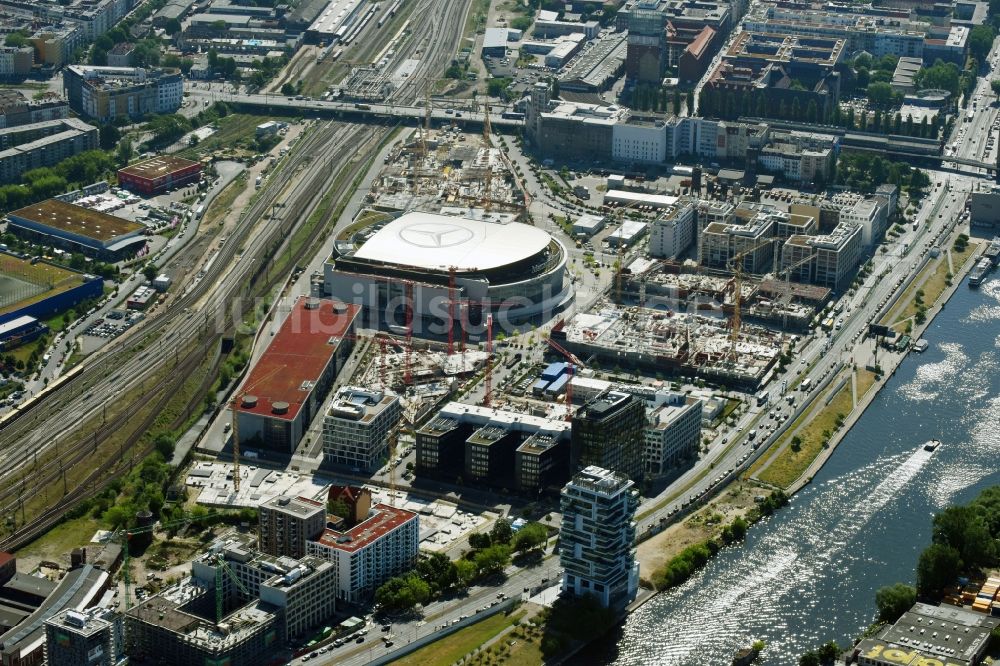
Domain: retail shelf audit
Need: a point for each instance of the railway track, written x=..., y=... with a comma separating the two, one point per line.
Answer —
x=193, y=322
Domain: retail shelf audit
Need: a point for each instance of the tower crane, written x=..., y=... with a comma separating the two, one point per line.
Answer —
x=488, y=379
x=574, y=363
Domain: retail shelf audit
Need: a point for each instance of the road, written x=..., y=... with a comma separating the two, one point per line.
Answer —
x=821, y=354
x=441, y=613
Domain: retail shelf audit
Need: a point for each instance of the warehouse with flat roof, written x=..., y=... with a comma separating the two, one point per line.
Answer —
x=159, y=174
x=285, y=389
x=78, y=229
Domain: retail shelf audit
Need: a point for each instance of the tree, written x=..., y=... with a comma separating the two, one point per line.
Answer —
x=894, y=600
x=796, y=443
x=438, y=572
x=479, y=540
x=149, y=272
x=529, y=537
x=501, y=532
x=937, y=568
x=554, y=92
x=172, y=26
x=109, y=136
x=962, y=528
x=690, y=102
x=492, y=560
x=879, y=94
x=812, y=112
x=981, y=41
x=828, y=652
x=465, y=572
x=16, y=39
x=809, y=658
x=995, y=85
x=403, y=592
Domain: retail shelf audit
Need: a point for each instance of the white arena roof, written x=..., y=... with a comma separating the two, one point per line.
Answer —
x=430, y=241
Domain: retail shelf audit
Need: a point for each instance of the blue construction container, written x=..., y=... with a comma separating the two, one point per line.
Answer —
x=554, y=370
x=538, y=388
x=558, y=386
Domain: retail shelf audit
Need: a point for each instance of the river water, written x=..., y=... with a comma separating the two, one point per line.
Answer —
x=809, y=574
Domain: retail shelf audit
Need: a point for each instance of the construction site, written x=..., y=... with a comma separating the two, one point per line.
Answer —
x=673, y=343
x=449, y=171
x=780, y=303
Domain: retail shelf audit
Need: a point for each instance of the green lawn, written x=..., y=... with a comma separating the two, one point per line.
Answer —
x=787, y=465
x=60, y=540
x=447, y=651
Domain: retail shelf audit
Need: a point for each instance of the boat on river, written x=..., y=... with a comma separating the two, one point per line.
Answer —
x=931, y=445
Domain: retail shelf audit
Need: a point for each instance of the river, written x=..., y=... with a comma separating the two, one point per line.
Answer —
x=809, y=574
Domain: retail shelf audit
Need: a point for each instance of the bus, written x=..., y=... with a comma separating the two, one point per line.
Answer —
x=763, y=397
x=969, y=115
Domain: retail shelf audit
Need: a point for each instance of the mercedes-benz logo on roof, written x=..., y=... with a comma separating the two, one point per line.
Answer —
x=434, y=235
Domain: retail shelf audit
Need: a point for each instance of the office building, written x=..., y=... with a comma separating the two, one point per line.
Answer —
x=358, y=426
x=745, y=239
x=673, y=433
x=638, y=140
x=382, y=544
x=93, y=637
x=287, y=386
x=109, y=93
x=16, y=109
x=159, y=174
x=541, y=463
x=829, y=260
x=43, y=144
x=597, y=535
x=302, y=588
x=488, y=446
x=608, y=432
x=696, y=56
x=872, y=215
x=799, y=156
x=287, y=523
x=673, y=232
x=645, y=58
x=36, y=601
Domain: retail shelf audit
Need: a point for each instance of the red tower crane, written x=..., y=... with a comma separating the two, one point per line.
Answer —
x=451, y=310
x=488, y=380
x=408, y=350
x=574, y=363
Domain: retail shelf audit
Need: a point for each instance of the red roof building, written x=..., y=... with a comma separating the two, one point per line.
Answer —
x=159, y=174
x=366, y=555
x=284, y=391
x=696, y=56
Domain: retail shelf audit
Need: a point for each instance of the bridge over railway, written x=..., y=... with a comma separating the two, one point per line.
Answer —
x=292, y=105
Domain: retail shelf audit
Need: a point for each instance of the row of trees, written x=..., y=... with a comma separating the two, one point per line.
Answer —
x=963, y=539
x=864, y=172
x=436, y=575
x=46, y=182
x=660, y=99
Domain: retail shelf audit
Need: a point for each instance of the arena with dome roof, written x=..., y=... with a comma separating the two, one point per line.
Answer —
x=447, y=265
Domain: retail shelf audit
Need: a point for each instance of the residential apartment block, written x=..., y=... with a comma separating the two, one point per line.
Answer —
x=383, y=544
x=106, y=93
x=357, y=427
x=286, y=524
x=596, y=537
